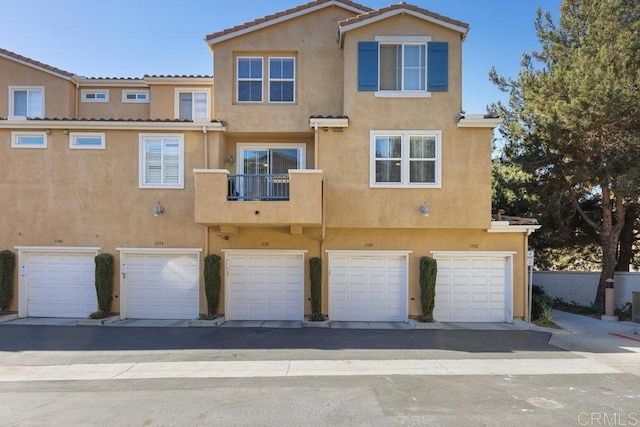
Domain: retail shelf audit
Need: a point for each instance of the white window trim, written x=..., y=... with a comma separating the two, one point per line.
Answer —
x=282, y=80
x=261, y=80
x=192, y=90
x=142, y=160
x=85, y=92
x=135, y=92
x=16, y=135
x=13, y=89
x=241, y=146
x=405, y=158
x=73, y=137
x=404, y=40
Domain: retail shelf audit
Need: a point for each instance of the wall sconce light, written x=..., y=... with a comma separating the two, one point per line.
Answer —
x=158, y=210
x=424, y=209
x=66, y=131
x=48, y=131
x=231, y=160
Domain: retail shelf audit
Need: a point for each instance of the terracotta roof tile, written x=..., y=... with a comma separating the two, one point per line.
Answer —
x=373, y=13
x=112, y=78
x=281, y=14
x=86, y=119
x=328, y=117
x=35, y=63
x=183, y=76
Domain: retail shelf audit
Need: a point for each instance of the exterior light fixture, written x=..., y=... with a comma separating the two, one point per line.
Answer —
x=231, y=160
x=158, y=210
x=424, y=209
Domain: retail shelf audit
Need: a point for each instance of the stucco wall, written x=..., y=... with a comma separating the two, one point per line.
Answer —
x=421, y=242
x=312, y=39
x=581, y=286
x=62, y=197
x=59, y=93
x=115, y=108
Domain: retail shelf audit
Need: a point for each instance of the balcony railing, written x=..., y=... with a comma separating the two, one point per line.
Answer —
x=259, y=187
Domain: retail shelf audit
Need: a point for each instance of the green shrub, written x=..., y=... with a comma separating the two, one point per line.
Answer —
x=428, y=274
x=7, y=268
x=104, y=284
x=539, y=300
x=212, y=283
x=315, y=275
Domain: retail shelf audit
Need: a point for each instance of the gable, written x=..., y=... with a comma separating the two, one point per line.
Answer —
x=23, y=60
x=283, y=16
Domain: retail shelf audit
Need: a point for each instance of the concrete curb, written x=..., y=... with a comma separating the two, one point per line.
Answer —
x=203, y=323
x=306, y=323
x=8, y=318
x=424, y=325
x=526, y=326
x=98, y=322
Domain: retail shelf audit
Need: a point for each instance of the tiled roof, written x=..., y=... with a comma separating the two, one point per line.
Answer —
x=513, y=220
x=273, y=17
x=112, y=78
x=115, y=120
x=35, y=63
x=401, y=6
x=328, y=117
x=183, y=76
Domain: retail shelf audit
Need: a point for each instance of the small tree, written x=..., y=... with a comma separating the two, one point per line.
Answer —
x=7, y=268
x=428, y=273
x=212, y=283
x=104, y=283
x=315, y=274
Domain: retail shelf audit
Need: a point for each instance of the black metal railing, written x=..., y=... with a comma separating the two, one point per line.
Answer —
x=259, y=187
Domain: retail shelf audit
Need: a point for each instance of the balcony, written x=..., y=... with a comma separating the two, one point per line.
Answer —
x=233, y=201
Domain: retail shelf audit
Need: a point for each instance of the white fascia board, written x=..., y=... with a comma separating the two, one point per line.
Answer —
x=178, y=80
x=329, y=122
x=98, y=124
x=512, y=228
x=485, y=254
x=345, y=28
x=284, y=18
x=28, y=64
x=472, y=122
x=57, y=248
x=160, y=250
x=85, y=82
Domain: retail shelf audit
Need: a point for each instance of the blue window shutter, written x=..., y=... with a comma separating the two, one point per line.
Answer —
x=368, y=66
x=438, y=67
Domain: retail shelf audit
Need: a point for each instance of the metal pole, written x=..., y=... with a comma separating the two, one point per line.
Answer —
x=530, y=291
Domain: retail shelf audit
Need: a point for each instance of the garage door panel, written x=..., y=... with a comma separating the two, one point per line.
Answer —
x=367, y=288
x=264, y=287
x=471, y=289
x=162, y=286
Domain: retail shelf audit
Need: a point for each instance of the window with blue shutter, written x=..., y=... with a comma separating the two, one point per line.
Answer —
x=438, y=66
x=368, y=66
x=414, y=67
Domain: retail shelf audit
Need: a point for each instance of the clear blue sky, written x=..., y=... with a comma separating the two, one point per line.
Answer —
x=130, y=38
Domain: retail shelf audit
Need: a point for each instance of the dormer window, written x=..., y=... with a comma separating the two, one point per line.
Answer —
x=192, y=104
x=26, y=101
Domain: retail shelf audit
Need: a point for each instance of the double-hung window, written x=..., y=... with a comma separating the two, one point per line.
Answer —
x=403, y=66
x=161, y=161
x=281, y=79
x=192, y=104
x=26, y=101
x=406, y=158
x=249, y=79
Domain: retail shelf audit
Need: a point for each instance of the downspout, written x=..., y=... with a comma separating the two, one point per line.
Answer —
x=527, y=283
x=205, y=144
x=77, y=101
x=324, y=204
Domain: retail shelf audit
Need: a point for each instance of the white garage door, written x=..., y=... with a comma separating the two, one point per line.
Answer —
x=473, y=289
x=367, y=287
x=161, y=285
x=264, y=285
x=57, y=283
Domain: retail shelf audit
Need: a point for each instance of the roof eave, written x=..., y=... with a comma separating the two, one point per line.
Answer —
x=71, y=78
x=249, y=29
x=114, y=124
x=479, y=123
x=344, y=28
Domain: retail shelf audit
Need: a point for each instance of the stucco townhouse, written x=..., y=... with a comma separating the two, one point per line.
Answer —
x=328, y=130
